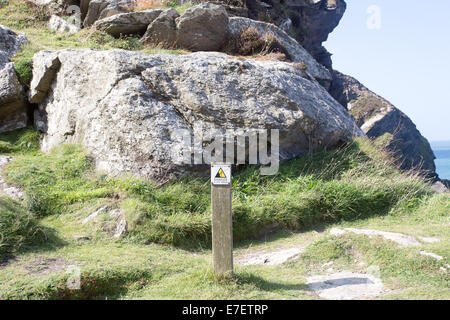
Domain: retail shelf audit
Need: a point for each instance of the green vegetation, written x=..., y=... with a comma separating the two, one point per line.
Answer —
x=166, y=252
x=350, y=183
x=365, y=107
x=181, y=8
x=23, y=141
x=355, y=185
x=24, y=69
x=21, y=18
x=18, y=228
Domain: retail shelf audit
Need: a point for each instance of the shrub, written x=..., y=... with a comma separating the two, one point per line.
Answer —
x=128, y=43
x=251, y=42
x=300, y=66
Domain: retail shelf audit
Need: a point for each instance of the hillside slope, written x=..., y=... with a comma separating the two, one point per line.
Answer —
x=355, y=186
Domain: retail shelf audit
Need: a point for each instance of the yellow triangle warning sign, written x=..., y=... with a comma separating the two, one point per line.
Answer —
x=220, y=174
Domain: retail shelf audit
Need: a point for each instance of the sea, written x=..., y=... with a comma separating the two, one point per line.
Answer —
x=441, y=150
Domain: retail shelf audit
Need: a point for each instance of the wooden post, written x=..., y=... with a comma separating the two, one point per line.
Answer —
x=222, y=229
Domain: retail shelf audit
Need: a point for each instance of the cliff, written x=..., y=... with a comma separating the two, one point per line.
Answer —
x=379, y=119
x=310, y=22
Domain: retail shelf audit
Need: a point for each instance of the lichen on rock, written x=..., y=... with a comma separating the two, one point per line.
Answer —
x=131, y=110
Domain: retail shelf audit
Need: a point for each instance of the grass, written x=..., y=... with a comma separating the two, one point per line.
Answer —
x=162, y=4
x=23, y=141
x=166, y=253
x=18, y=228
x=127, y=270
x=21, y=18
x=355, y=185
x=350, y=183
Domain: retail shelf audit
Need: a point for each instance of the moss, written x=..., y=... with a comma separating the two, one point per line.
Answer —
x=384, y=140
x=24, y=69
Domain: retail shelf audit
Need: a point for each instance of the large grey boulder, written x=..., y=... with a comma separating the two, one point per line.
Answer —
x=127, y=23
x=13, y=109
x=203, y=28
x=379, y=119
x=290, y=46
x=131, y=110
x=44, y=73
x=13, y=112
x=100, y=9
x=53, y=6
x=10, y=43
x=59, y=24
x=163, y=30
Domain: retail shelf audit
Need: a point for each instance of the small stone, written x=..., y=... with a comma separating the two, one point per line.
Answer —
x=81, y=238
x=94, y=214
x=270, y=258
x=13, y=107
x=438, y=187
x=121, y=228
x=93, y=10
x=345, y=285
x=430, y=254
x=429, y=239
x=337, y=231
x=401, y=239
x=293, y=50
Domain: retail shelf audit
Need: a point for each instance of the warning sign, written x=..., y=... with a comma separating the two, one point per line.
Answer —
x=221, y=174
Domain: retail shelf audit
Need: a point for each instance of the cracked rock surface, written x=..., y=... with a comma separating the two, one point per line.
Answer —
x=132, y=111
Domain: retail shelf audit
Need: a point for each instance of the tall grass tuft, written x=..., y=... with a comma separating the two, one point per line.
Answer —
x=18, y=228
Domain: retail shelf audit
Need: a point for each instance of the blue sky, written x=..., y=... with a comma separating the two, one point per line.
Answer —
x=406, y=60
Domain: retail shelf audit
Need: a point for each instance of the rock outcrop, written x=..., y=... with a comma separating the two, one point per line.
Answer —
x=59, y=24
x=132, y=111
x=294, y=51
x=93, y=10
x=163, y=30
x=127, y=23
x=10, y=43
x=308, y=21
x=53, y=6
x=446, y=183
x=203, y=28
x=378, y=118
x=13, y=109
